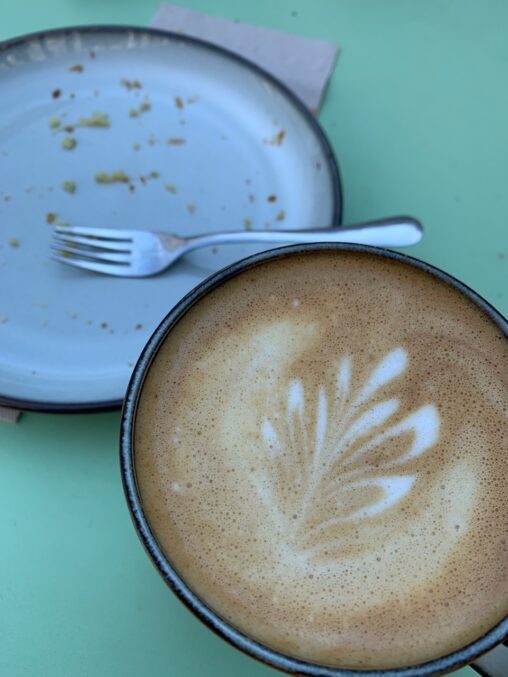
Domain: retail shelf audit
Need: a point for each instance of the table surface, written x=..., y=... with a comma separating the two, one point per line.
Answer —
x=417, y=112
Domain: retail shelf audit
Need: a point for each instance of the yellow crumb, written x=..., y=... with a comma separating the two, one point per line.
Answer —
x=69, y=143
x=117, y=176
x=69, y=186
x=95, y=120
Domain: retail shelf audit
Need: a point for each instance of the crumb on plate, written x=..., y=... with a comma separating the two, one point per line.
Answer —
x=131, y=84
x=277, y=139
x=69, y=143
x=95, y=120
x=69, y=186
x=117, y=176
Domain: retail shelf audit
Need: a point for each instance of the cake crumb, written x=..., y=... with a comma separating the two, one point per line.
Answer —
x=131, y=84
x=247, y=224
x=176, y=141
x=117, y=176
x=191, y=208
x=69, y=143
x=14, y=242
x=277, y=139
x=170, y=187
x=281, y=215
x=69, y=186
x=95, y=120
x=179, y=102
x=77, y=68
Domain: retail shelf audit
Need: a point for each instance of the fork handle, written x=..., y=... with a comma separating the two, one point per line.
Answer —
x=398, y=231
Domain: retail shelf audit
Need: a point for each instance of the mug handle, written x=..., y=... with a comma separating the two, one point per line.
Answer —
x=494, y=663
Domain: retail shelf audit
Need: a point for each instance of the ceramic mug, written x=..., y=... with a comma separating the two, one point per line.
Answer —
x=480, y=653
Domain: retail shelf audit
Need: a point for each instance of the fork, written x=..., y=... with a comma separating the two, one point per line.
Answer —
x=139, y=253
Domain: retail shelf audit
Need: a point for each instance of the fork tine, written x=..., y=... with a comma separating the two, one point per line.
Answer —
x=110, y=245
x=112, y=269
x=92, y=255
x=101, y=233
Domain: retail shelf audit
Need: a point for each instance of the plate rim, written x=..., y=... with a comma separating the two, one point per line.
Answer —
x=94, y=406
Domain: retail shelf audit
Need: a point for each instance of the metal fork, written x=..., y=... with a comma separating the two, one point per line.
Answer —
x=139, y=253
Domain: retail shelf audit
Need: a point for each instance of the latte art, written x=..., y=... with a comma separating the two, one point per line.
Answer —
x=330, y=462
x=320, y=452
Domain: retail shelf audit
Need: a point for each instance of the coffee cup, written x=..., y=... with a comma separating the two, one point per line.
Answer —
x=312, y=454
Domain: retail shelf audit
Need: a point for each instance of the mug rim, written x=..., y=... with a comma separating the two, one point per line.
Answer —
x=438, y=666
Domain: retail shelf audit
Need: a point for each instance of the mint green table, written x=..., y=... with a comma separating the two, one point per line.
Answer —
x=417, y=112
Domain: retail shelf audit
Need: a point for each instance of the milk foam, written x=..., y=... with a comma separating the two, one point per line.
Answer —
x=344, y=434
x=329, y=475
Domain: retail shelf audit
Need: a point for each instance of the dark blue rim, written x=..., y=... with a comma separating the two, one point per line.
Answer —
x=439, y=666
x=328, y=153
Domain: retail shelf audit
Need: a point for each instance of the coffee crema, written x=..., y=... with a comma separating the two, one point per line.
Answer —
x=320, y=450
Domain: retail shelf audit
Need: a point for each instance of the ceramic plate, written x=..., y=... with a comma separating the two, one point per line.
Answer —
x=133, y=128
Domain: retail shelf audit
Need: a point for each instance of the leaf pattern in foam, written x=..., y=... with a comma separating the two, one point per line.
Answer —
x=328, y=454
x=393, y=365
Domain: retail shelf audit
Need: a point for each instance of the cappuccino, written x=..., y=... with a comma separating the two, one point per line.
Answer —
x=320, y=451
